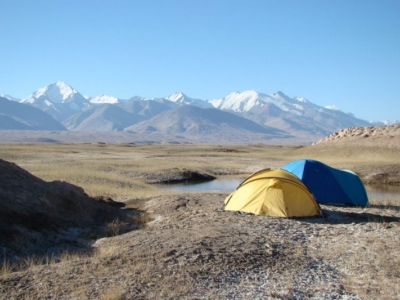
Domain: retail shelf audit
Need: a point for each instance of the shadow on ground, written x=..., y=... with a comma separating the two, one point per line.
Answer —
x=332, y=216
x=39, y=218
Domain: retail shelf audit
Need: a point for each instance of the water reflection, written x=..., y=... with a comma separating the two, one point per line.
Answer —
x=223, y=185
x=383, y=193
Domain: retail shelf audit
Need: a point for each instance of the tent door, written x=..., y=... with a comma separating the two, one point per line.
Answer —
x=274, y=202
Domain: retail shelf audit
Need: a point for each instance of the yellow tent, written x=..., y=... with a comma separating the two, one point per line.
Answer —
x=275, y=193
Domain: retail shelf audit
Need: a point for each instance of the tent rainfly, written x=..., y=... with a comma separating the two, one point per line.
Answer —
x=275, y=193
x=329, y=185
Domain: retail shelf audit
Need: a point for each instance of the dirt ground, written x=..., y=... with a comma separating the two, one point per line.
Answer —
x=192, y=251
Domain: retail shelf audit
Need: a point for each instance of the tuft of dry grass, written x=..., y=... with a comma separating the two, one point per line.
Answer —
x=143, y=218
x=7, y=268
x=32, y=262
x=116, y=227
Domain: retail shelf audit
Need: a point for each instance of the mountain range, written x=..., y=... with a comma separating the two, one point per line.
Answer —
x=246, y=114
x=18, y=116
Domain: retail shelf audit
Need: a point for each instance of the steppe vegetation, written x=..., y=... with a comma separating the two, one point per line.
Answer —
x=188, y=250
x=120, y=171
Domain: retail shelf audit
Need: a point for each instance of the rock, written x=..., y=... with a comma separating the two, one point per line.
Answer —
x=184, y=176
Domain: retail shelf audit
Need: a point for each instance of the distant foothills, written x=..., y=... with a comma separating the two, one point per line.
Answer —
x=241, y=117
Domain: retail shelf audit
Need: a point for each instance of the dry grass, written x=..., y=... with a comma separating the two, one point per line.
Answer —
x=115, y=228
x=120, y=172
x=7, y=267
x=33, y=262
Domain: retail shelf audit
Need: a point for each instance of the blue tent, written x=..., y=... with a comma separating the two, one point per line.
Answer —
x=329, y=185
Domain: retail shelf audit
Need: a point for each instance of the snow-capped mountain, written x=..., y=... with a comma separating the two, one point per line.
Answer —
x=104, y=99
x=58, y=92
x=181, y=98
x=59, y=100
x=254, y=101
x=281, y=111
x=18, y=116
x=289, y=116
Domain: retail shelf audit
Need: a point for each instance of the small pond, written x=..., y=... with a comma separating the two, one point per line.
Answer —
x=375, y=193
x=223, y=185
x=383, y=193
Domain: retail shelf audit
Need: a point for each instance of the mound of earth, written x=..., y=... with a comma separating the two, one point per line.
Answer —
x=179, y=176
x=362, y=141
x=385, y=136
x=38, y=217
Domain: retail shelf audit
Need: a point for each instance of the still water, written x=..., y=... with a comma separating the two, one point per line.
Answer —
x=222, y=185
x=383, y=193
x=375, y=193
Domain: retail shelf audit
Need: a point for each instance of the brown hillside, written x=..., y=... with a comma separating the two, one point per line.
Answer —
x=38, y=217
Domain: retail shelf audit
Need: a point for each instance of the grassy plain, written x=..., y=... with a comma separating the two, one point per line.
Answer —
x=190, y=251
x=120, y=171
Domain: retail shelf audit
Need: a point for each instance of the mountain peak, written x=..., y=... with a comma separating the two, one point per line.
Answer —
x=301, y=99
x=58, y=99
x=61, y=84
x=181, y=98
x=279, y=93
x=239, y=101
x=251, y=93
x=56, y=92
x=177, y=97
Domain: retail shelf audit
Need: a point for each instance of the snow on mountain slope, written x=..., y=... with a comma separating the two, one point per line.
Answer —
x=332, y=107
x=240, y=102
x=10, y=97
x=19, y=116
x=58, y=92
x=301, y=99
x=183, y=99
x=104, y=99
x=252, y=100
x=291, y=114
x=58, y=100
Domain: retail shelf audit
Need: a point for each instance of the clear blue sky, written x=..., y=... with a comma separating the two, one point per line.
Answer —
x=342, y=52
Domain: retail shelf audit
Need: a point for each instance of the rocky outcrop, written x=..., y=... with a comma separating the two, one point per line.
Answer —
x=363, y=132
